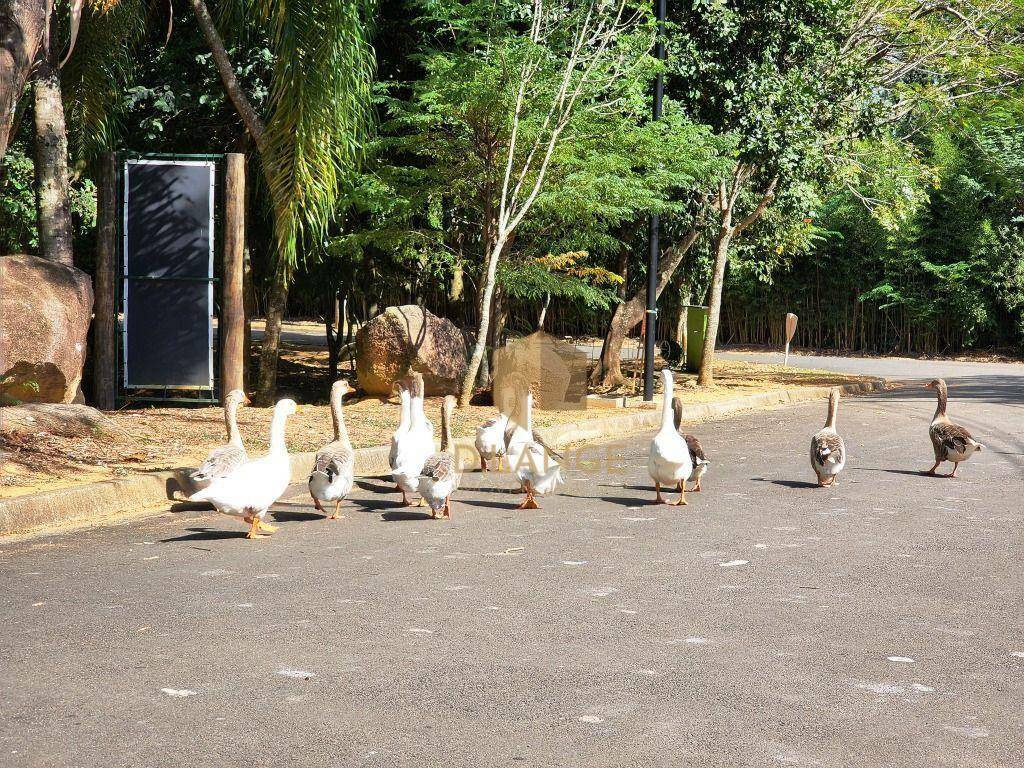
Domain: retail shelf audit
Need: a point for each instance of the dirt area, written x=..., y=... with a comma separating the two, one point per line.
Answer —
x=149, y=438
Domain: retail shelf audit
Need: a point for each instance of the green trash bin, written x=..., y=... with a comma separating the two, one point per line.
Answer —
x=696, y=330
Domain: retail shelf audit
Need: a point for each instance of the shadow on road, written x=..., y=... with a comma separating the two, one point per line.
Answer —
x=910, y=472
x=294, y=516
x=789, y=483
x=406, y=514
x=205, y=534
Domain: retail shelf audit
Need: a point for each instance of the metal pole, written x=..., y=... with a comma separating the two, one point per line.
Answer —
x=650, y=324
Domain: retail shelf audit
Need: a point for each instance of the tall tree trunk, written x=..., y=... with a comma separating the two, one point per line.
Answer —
x=266, y=382
x=728, y=193
x=707, y=366
x=543, y=311
x=607, y=374
x=489, y=278
x=22, y=24
x=53, y=193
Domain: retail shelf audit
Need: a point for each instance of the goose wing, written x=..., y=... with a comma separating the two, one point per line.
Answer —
x=829, y=445
x=952, y=437
x=221, y=462
x=540, y=441
x=335, y=459
x=697, y=454
x=439, y=467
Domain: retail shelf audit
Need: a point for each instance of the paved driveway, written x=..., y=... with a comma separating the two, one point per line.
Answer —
x=877, y=623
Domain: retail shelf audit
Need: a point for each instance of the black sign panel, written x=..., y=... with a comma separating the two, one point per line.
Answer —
x=168, y=266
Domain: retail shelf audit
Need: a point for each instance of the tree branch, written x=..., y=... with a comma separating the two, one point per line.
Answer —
x=252, y=121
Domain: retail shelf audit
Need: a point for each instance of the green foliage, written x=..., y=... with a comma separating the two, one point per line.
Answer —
x=430, y=197
x=932, y=263
x=18, y=226
x=18, y=233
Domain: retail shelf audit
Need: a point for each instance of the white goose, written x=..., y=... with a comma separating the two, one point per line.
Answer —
x=669, y=462
x=250, y=490
x=224, y=458
x=531, y=460
x=440, y=476
x=335, y=468
x=403, y=421
x=415, y=445
x=490, y=441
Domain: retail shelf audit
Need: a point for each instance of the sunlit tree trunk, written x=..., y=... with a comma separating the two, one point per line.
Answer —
x=729, y=191
x=270, y=350
x=22, y=23
x=53, y=192
x=607, y=374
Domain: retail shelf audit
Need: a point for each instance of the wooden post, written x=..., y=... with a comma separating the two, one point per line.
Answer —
x=232, y=320
x=790, y=332
x=104, y=323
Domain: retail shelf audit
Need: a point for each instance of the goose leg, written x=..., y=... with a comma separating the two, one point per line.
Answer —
x=681, y=501
x=447, y=511
x=955, y=465
x=254, y=527
x=483, y=464
x=934, y=467
x=696, y=486
x=529, y=502
x=405, y=499
x=422, y=502
x=262, y=527
x=337, y=515
x=658, y=498
x=501, y=461
x=316, y=503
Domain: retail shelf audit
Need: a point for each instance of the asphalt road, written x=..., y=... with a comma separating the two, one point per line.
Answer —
x=877, y=623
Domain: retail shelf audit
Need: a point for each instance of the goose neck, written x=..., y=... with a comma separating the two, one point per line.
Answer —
x=833, y=411
x=941, y=398
x=277, y=425
x=231, y=421
x=667, y=412
x=446, y=428
x=338, y=417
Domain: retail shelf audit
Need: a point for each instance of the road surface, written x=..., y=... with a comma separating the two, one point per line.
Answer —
x=770, y=622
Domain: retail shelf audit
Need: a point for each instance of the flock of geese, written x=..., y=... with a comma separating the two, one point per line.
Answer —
x=246, y=488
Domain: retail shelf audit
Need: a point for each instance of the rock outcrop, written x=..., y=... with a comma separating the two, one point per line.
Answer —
x=410, y=338
x=45, y=311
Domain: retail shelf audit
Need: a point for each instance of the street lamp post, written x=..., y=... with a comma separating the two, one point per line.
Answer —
x=651, y=316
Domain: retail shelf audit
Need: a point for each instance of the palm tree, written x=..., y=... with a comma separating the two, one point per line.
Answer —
x=316, y=118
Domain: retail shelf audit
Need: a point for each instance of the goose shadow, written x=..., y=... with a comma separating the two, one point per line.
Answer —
x=910, y=472
x=294, y=516
x=376, y=505
x=405, y=514
x=792, y=483
x=631, y=501
x=492, y=504
x=191, y=506
x=376, y=485
x=205, y=534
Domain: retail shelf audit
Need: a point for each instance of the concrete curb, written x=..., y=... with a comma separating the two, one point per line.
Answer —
x=114, y=497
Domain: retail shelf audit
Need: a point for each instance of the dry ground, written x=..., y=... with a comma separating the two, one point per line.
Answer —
x=149, y=438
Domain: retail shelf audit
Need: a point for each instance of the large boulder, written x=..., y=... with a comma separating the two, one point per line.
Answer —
x=45, y=310
x=407, y=338
x=553, y=369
